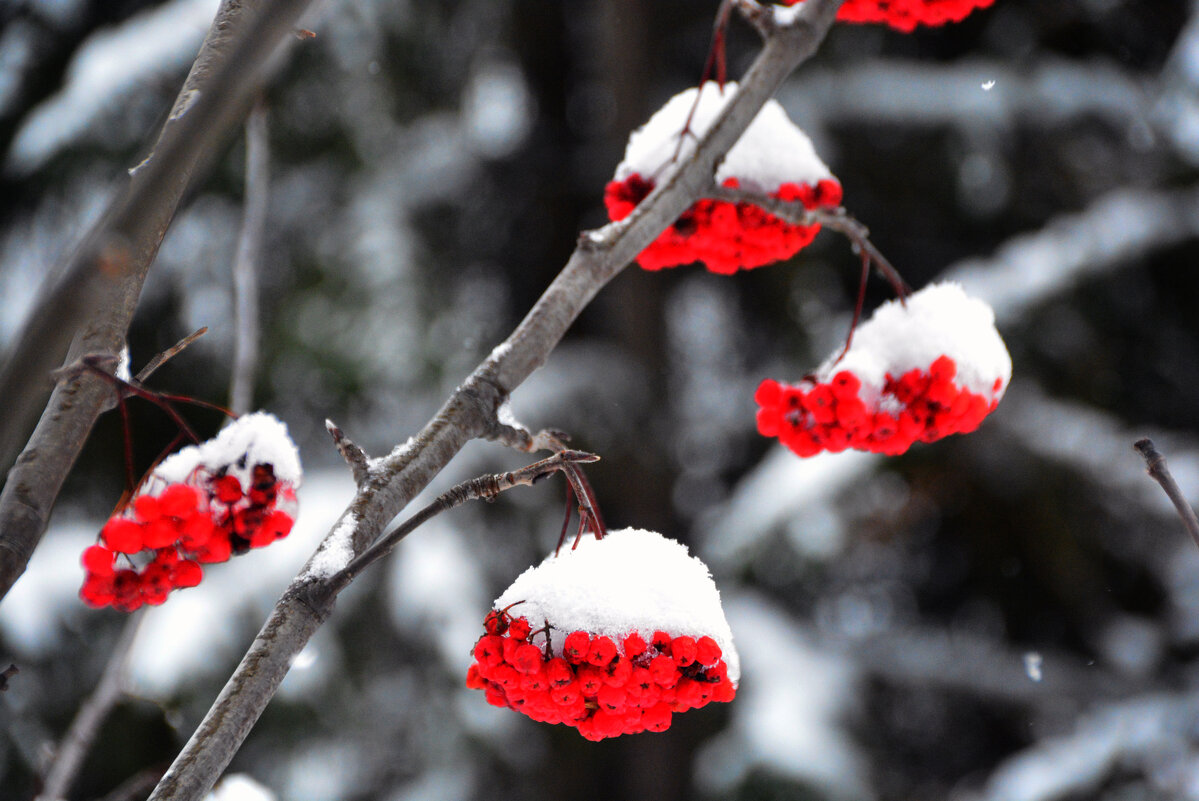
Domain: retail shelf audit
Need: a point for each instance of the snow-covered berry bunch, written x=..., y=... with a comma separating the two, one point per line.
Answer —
x=612, y=638
x=905, y=15
x=773, y=158
x=201, y=505
x=916, y=372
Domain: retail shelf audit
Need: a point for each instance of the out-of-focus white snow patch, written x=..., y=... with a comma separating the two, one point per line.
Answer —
x=434, y=587
x=194, y=632
x=771, y=152
x=240, y=787
x=497, y=109
x=786, y=717
x=325, y=771
x=630, y=581
x=778, y=490
x=152, y=44
x=1033, y=665
x=252, y=439
x=939, y=320
x=447, y=784
x=1108, y=234
x=1146, y=730
x=47, y=594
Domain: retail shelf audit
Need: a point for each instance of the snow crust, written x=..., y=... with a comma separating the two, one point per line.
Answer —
x=632, y=580
x=939, y=320
x=261, y=438
x=771, y=152
x=787, y=719
x=336, y=550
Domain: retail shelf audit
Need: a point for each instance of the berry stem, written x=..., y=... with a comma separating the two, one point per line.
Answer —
x=837, y=219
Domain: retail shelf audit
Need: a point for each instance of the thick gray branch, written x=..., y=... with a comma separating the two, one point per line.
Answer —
x=395, y=479
x=88, y=304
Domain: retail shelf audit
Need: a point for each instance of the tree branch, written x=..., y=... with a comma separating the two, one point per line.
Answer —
x=470, y=410
x=487, y=487
x=86, y=307
x=82, y=733
x=246, y=265
x=1156, y=465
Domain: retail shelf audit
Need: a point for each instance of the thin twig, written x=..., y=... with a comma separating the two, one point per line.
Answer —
x=486, y=487
x=246, y=265
x=1156, y=465
x=470, y=410
x=77, y=742
x=162, y=358
x=87, y=304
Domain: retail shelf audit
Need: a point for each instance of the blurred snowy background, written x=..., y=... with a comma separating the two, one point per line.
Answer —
x=1012, y=615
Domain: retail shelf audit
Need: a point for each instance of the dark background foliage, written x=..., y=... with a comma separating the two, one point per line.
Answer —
x=432, y=166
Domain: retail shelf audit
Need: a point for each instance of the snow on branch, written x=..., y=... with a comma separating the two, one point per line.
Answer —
x=471, y=410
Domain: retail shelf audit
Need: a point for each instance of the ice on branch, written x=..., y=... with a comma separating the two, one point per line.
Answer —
x=905, y=15
x=919, y=372
x=201, y=505
x=773, y=158
x=613, y=638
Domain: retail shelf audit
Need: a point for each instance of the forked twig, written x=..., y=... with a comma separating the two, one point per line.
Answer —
x=487, y=487
x=162, y=358
x=1156, y=466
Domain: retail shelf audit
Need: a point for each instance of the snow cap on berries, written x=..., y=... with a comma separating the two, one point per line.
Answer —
x=631, y=581
x=939, y=320
x=252, y=439
x=773, y=159
x=773, y=151
x=918, y=371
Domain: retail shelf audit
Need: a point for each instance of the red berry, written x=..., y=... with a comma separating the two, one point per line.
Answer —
x=601, y=651
x=178, y=500
x=577, y=645
x=682, y=650
x=519, y=628
x=227, y=489
x=122, y=535
x=98, y=560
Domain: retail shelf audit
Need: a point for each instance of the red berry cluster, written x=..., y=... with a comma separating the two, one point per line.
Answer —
x=207, y=519
x=725, y=236
x=905, y=15
x=601, y=690
x=917, y=406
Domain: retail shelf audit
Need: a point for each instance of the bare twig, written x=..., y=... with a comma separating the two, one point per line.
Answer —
x=168, y=354
x=470, y=411
x=87, y=305
x=355, y=457
x=1156, y=465
x=82, y=733
x=486, y=487
x=246, y=265
x=136, y=786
